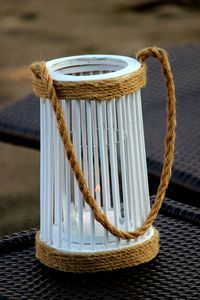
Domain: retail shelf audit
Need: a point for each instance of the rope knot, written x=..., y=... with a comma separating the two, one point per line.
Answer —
x=42, y=81
x=37, y=69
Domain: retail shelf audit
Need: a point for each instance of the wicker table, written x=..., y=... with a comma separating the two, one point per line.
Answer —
x=173, y=274
x=19, y=123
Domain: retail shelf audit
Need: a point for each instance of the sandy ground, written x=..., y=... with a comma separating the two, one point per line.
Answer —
x=35, y=30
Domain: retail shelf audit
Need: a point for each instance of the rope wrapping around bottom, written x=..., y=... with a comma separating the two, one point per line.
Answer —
x=77, y=262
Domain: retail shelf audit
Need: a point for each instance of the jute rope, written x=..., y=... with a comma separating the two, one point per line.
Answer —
x=98, y=261
x=101, y=90
x=45, y=86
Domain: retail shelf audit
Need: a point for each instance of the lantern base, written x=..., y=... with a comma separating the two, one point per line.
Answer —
x=80, y=262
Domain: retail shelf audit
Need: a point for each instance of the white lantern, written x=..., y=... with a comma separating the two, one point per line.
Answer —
x=109, y=143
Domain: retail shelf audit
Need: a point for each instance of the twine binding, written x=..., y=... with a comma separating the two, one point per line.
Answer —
x=109, y=260
x=100, y=90
x=45, y=86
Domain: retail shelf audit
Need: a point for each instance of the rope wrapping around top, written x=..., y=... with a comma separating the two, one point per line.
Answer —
x=100, y=90
x=45, y=86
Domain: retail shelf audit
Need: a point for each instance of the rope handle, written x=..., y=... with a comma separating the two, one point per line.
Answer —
x=40, y=71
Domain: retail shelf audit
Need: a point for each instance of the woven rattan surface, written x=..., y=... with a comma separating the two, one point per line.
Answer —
x=173, y=274
x=19, y=122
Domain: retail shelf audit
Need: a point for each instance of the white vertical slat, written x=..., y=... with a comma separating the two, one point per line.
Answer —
x=134, y=205
x=42, y=168
x=68, y=198
x=143, y=152
x=45, y=171
x=90, y=168
x=96, y=153
x=114, y=171
x=55, y=178
x=84, y=139
x=63, y=193
x=63, y=177
x=50, y=173
x=137, y=159
x=59, y=152
x=123, y=163
x=116, y=153
x=114, y=111
x=145, y=187
x=105, y=127
x=55, y=167
x=77, y=144
x=116, y=143
x=140, y=158
x=102, y=165
x=128, y=157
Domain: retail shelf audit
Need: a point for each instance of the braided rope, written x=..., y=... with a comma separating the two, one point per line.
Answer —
x=98, y=261
x=41, y=73
x=100, y=90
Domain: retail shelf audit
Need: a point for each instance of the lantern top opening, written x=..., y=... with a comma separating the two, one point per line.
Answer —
x=91, y=67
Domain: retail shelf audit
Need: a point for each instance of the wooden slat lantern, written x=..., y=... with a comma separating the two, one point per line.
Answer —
x=107, y=138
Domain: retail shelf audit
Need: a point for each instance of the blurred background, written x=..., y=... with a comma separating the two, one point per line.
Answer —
x=35, y=30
